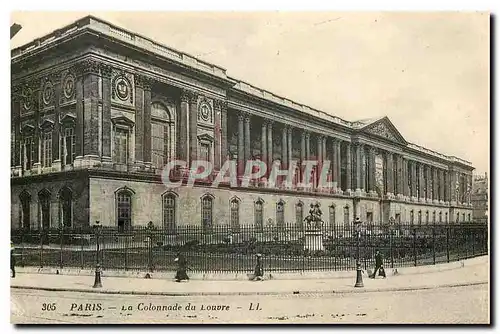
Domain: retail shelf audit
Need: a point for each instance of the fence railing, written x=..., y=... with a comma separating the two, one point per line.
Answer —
x=226, y=249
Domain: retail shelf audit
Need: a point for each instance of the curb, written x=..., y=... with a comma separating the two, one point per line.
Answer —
x=269, y=293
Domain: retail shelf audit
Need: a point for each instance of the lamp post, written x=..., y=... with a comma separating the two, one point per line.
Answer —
x=97, y=280
x=359, y=277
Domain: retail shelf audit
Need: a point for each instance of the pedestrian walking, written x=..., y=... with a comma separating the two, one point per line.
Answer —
x=259, y=269
x=181, y=274
x=12, y=260
x=379, y=265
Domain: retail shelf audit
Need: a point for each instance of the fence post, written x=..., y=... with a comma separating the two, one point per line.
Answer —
x=150, y=245
x=415, y=246
x=474, y=236
x=41, y=248
x=433, y=244
x=448, y=244
x=390, y=247
x=61, y=232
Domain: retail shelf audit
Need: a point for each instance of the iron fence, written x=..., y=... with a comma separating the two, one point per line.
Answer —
x=223, y=249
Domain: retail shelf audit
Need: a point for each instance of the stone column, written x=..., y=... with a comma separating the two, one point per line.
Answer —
x=16, y=130
x=372, y=179
x=284, y=150
x=356, y=168
x=434, y=185
x=106, y=117
x=193, y=127
x=217, y=134
x=406, y=183
x=241, y=144
x=362, y=169
x=421, y=182
x=401, y=183
x=308, y=146
x=289, y=145
x=334, y=163
x=223, y=129
x=183, y=126
x=89, y=69
x=263, y=142
x=390, y=174
x=414, y=180
x=446, y=186
x=348, y=169
x=139, y=120
x=247, y=138
x=339, y=165
x=56, y=158
x=428, y=193
x=441, y=186
x=147, y=122
x=269, y=145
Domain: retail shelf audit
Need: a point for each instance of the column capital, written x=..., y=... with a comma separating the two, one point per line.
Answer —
x=220, y=104
x=144, y=81
x=188, y=95
x=242, y=116
x=247, y=117
x=289, y=129
x=86, y=66
x=373, y=150
x=307, y=134
x=106, y=70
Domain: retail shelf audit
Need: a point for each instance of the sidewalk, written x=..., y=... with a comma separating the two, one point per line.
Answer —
x=474, y=273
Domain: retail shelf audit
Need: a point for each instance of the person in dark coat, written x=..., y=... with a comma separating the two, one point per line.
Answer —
x=181, y=268
x=379, y=265
x=12, y=260
x=259, y=269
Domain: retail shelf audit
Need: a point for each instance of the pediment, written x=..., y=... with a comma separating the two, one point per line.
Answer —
x=384, y=128
x=123, y=121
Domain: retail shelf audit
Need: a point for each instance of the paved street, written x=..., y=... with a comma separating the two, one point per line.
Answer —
x=467, y=304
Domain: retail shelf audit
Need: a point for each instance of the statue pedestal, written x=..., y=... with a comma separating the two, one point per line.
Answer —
x=313, y=240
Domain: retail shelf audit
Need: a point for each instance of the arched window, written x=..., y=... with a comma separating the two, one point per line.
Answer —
x=44, y=209
x=169, y=213
x=440, y=217
x=66, y=207
x=458, y=217
x=259, y=215
x=299, y=214
x=161, y=135
x=446, y=217
x=235, y=215
x=468, y=217
x=434, y=216
x=427, y=216
x=463, y=217
x=411, y=217
x=419, y=217
x=206, y=213
x=280, y=213
x=346, y=215
x=25, y=214
x=124, y=209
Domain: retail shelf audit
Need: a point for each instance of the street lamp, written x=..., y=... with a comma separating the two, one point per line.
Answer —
x=97, y=281
x=359, y=277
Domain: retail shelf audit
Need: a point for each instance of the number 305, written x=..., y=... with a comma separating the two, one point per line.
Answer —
x=48, y=306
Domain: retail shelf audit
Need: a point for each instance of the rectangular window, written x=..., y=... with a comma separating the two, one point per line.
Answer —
x=299, y=214
x=46, y=149
x=159, y=144
x=121, y=146
x=205, y=152
x=346, y=215
x=68, y=146
x=28, y=151
x=369, y=217
x=280, y=214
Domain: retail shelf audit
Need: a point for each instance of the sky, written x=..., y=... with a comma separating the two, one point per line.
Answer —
x=428, y=72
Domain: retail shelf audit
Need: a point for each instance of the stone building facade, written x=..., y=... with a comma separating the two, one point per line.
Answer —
x=97, y=111
x=480, y=198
